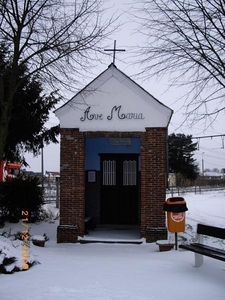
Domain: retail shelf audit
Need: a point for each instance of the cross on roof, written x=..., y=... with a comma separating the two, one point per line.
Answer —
x=114, y=51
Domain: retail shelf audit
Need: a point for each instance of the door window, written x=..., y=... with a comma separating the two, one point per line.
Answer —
x=129, y=172
x=109, y=172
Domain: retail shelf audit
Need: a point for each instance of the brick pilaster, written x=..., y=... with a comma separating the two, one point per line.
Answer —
x=153, y=183
x=72, y=186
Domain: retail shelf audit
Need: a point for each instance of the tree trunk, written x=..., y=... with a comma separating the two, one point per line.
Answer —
x=6, y=103
x=4, y=127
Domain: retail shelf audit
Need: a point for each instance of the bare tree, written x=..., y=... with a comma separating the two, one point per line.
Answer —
x=186, y=40
x=55, y=39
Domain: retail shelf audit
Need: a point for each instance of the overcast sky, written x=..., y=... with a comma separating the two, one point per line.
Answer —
x=211, y=150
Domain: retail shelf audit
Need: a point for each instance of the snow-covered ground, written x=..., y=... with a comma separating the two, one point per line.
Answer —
x=122, y=271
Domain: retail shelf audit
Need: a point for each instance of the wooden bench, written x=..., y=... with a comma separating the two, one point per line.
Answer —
x=89, y=224
x=200, y=249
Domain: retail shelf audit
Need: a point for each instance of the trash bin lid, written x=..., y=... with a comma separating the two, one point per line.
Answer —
x=175, y=199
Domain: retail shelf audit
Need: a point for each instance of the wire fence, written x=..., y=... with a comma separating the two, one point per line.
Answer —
x=195, y=189
x=52, y=193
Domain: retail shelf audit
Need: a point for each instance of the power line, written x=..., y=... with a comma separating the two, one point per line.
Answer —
x=210, y=136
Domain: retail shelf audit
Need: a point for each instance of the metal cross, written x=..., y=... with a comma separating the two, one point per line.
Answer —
x=114, y=51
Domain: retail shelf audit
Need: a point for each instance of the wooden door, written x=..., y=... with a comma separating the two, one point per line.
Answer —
x=119, y=189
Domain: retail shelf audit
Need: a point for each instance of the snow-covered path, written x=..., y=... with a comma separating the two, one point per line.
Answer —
x=122, y=271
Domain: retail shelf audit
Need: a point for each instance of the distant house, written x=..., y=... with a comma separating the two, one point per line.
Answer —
x=33, y=174
x=213, y=175
x=51, y=176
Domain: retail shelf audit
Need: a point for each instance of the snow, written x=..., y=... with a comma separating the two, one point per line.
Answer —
x=164, y=242
x=38, y=237
x=105, y=271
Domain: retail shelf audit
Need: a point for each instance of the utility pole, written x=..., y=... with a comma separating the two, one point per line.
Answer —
x=42, y=166
x=203, y=165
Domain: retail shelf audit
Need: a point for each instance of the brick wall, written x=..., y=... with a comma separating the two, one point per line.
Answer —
x=72, y=182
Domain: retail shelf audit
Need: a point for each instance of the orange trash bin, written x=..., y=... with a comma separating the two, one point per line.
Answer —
x=175, y=207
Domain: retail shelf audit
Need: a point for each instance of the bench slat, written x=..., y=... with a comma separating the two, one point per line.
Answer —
x=211, y=231
x=210, y=248
x=206, y=252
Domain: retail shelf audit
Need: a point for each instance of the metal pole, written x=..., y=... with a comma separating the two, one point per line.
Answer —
x=42, y=166
x=175, y=240
x=57, y=191
x=203, y=163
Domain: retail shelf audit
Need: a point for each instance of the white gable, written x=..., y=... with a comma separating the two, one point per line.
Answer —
x=113, y=102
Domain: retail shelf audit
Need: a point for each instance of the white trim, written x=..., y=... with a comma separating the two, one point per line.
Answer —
x=113, y=88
